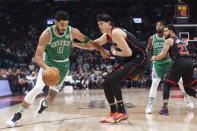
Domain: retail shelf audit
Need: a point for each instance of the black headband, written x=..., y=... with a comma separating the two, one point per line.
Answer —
x=103, y=17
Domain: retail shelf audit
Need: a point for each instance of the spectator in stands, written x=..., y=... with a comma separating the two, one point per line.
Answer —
x=32, y=78
x=85, y=83
x=94, y=79
x=23, y=85
x=13, y=80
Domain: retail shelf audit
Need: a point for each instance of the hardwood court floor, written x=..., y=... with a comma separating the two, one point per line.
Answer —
x=81, y=110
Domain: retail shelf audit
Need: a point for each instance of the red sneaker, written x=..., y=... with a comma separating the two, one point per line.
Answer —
x=108, y=119
x=120, y=116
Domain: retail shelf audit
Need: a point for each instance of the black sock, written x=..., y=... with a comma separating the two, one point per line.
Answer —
x=165, y=105
x=121, y=108
x=113, y=108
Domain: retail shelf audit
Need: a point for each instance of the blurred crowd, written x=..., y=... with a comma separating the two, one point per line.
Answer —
x=21, y=80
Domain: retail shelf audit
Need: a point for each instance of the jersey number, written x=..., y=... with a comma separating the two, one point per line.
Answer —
x=183, y=50
x=60, y=49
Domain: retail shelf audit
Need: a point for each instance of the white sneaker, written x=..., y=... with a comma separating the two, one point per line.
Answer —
x=188, y=103
x=149, y=110
x=10, y=123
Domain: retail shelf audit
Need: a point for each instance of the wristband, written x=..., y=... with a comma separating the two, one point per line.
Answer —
x=86, y=40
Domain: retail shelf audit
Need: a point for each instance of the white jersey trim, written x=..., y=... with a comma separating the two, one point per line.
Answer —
x=59, y=35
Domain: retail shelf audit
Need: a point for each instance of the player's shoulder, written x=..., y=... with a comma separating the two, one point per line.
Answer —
x=170, y=40
x=117, y=31
x=151, y=37
x=74, y=30
x=46, y=35
x=46, y=32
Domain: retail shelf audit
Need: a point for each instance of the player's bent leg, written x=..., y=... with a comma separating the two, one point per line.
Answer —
x=166, y=94
x=188, y=103
x=51, y=96
x=31, y=96
x=28, y=100
x=49, y=99
x=152, y=95
x=111, y=100
x=191, y=91
x=113, y=82
x=153, y=91
x=154, y=86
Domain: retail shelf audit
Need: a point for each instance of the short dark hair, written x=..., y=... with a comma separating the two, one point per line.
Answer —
x=61, y=15
x=171, y=27
x=103, y=17
x=162, y=22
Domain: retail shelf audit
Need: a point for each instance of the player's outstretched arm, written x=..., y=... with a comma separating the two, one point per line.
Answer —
x=167, y=44
x=101, y=40
x=88, y=44
x=85, y=41
x=43, y=41
x=82, y=46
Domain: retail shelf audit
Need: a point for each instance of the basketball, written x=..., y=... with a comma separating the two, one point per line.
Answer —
x=51, y=77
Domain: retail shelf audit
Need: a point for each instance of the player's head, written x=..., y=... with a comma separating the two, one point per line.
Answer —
x=160, y=27
x=104, y=22
x=61, y=21
x=169, y=31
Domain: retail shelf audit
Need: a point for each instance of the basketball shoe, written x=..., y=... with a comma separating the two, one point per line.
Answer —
x=149, y=109
x=188, y=102
x=164, y=111
x=12, y=122
x=120, y=116
x=41, y=108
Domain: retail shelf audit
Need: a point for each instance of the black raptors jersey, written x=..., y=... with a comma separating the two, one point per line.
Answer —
x=178, y=49
x=134, y=44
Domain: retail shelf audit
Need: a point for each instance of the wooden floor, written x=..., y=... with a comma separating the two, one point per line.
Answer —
x=81, y=110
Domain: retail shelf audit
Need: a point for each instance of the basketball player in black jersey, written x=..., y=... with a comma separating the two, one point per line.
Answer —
x=182, y=66
x=128, y=47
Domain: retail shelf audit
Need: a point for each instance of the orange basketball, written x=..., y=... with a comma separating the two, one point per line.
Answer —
x=51, y=76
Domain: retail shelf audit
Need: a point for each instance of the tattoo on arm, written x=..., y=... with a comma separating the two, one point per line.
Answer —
x=166, y=46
